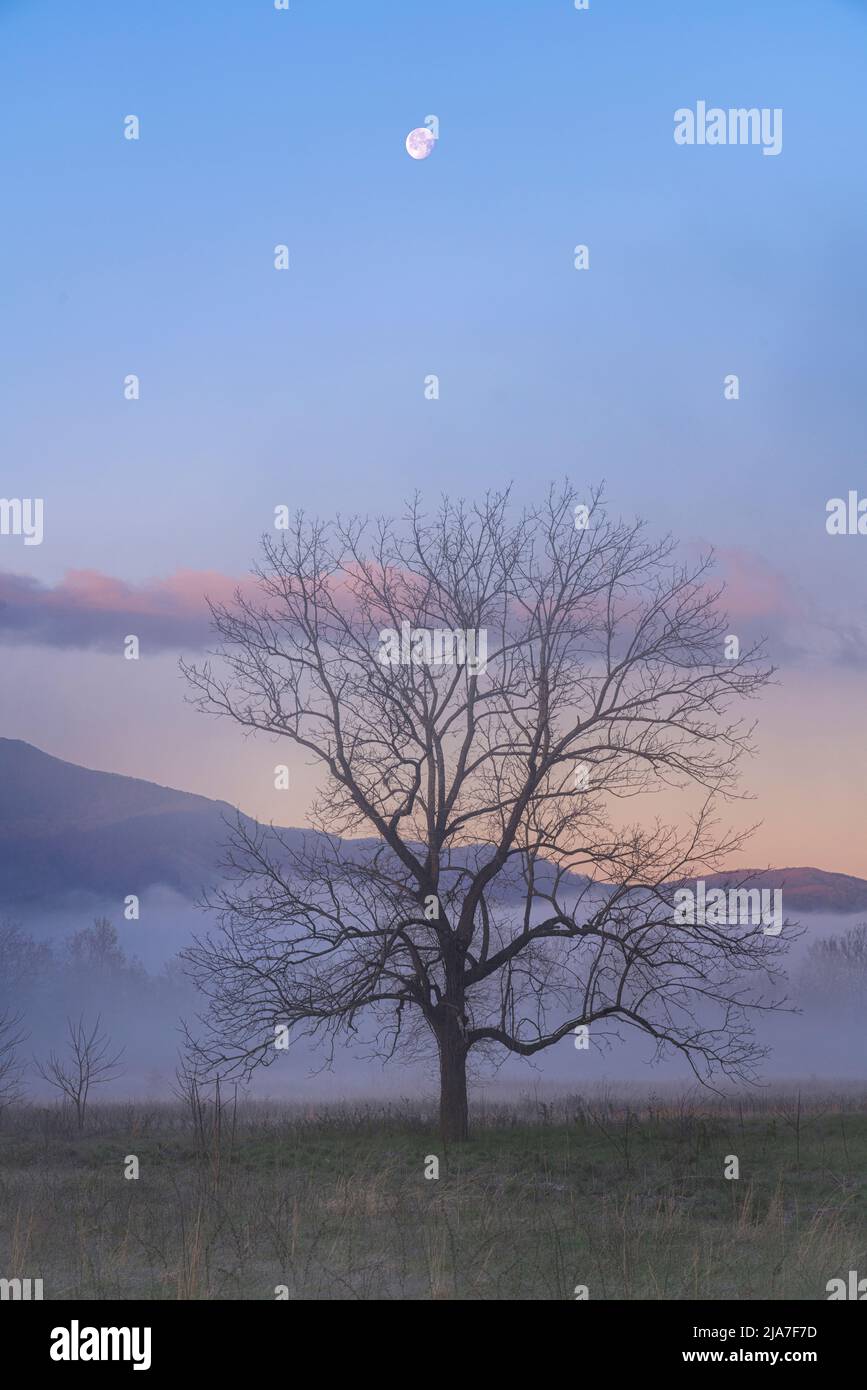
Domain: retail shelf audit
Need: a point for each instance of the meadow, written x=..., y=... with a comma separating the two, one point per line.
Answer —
x=619, y=1191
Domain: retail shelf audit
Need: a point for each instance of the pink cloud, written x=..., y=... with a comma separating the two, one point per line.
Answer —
x=89, y=609
x=755, y=592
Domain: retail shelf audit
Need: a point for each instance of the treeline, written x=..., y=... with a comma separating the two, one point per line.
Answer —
x=50, y=987
x=834, y=972
x=79, y=965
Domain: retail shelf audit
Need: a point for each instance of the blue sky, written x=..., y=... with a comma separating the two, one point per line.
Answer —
x=258, y=387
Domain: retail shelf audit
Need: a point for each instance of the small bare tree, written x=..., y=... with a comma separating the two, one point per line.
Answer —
x=480, y=691
x=11, y=1068
x=89, y=1062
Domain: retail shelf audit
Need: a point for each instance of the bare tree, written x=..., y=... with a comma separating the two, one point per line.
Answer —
x=11, y=1068
x=97, y=948
x=496, y=904
x=23, y=962
x=89, y=1063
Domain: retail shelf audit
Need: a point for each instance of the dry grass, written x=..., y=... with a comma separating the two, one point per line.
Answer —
x=621, y=1192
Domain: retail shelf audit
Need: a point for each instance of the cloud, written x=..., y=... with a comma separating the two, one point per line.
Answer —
x=87, y=609
x=761, y=602
x=753, y=591
x=90, y=610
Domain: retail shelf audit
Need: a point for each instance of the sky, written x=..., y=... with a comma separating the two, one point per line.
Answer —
x=259, y=387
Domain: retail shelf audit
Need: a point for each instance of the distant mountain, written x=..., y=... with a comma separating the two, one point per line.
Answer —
x=804, y=890
x=67, y=830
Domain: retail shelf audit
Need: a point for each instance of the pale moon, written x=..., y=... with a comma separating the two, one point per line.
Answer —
x=419, y=143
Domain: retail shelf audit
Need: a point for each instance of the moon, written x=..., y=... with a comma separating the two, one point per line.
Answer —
x=419, y=143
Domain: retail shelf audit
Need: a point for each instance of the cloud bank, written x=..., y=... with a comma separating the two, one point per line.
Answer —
x=90, y=610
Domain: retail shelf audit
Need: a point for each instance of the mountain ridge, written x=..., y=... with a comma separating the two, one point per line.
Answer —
x=69, y=829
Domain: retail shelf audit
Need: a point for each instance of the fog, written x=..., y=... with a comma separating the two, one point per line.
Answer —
x=140, y=993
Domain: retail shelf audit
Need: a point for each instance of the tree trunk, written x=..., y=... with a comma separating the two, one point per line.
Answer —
x=454, y=1111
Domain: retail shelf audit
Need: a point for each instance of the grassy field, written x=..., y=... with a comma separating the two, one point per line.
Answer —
x=624, y=1195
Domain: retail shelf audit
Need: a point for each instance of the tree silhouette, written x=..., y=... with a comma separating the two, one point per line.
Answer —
x=11, y=1069
x=89, y=1062
x=97, y=948
x=490, y=900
